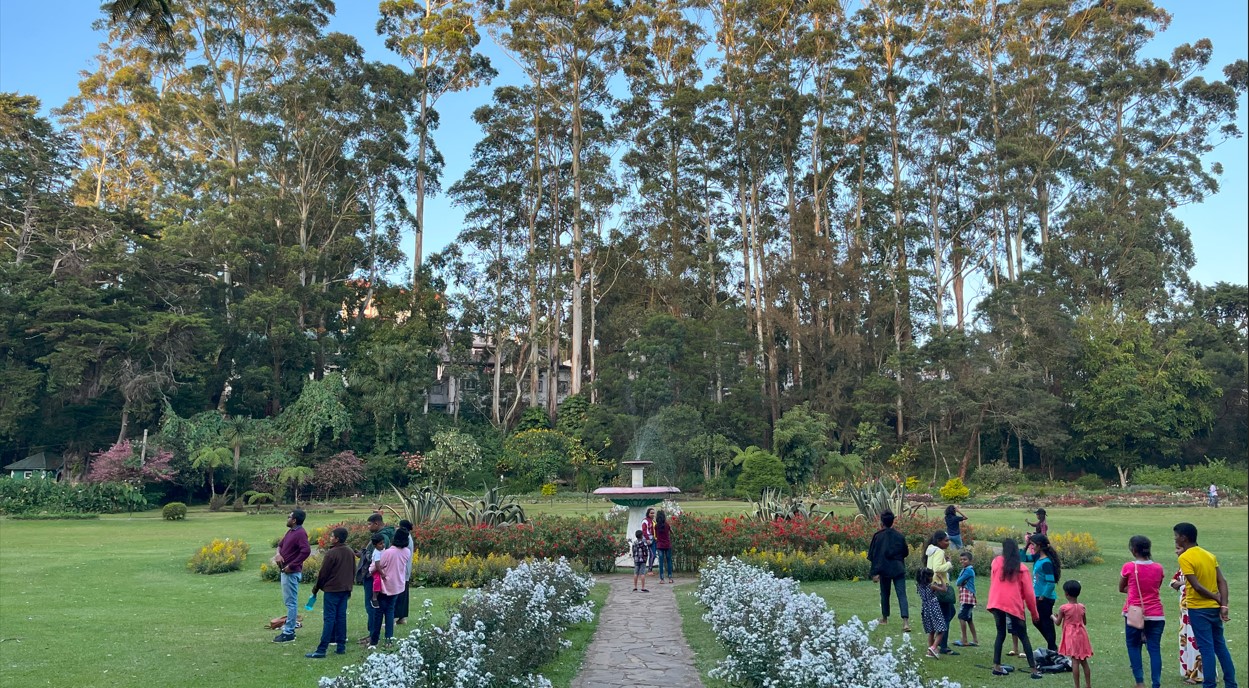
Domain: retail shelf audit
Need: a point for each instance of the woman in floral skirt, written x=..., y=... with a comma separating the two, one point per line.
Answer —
x=1190, y=658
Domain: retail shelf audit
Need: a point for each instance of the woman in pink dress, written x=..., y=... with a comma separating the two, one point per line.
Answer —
x=1075, y=644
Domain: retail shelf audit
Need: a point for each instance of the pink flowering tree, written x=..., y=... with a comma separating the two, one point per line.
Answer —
x=341, y=471
x=120, y=463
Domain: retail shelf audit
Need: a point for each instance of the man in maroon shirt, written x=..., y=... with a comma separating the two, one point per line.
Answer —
x=290, y=560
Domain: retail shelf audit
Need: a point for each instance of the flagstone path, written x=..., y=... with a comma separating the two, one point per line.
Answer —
x=638, y=641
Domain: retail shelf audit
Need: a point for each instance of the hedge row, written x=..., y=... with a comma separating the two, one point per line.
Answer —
x=50, y=496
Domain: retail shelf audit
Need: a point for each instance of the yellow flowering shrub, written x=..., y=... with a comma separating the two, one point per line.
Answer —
x=828, y=563
x=219, y=556
x=467, y=571
x=312, y=565
x=1076, y=549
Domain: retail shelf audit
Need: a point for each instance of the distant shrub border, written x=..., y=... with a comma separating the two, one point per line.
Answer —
x=70, y=516
x=51, y=496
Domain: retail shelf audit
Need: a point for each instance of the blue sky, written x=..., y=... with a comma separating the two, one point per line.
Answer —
x=44, y=45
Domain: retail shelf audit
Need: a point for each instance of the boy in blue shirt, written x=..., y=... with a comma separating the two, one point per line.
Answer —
x=966, y=584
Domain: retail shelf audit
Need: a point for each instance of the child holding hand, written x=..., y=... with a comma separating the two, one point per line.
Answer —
x=930, y=610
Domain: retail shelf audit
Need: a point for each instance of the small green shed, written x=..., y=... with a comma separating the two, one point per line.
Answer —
x=41, y=465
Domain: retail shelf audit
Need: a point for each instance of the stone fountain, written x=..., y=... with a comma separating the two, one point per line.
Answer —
x=637, y=497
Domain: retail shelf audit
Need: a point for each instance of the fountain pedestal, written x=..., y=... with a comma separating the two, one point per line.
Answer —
x=637, y=497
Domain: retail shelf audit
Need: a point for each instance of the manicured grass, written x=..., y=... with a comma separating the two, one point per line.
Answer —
x=1223, y=531
x=110, y=602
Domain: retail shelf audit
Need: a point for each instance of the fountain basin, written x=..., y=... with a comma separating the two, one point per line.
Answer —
x=637, y=498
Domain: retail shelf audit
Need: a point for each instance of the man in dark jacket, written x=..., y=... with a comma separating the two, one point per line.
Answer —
x=888, y=553
x=335, y=579
x=290, y=560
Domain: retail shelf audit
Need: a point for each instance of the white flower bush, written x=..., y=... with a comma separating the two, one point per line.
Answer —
x=779, y=637
x=670, y=508
x=497, y=637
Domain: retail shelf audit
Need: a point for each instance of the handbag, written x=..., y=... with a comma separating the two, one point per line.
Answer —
x=945, y=594
x=1136, y=613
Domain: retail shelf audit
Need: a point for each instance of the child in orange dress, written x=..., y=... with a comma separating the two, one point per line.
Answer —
x=1075, y=644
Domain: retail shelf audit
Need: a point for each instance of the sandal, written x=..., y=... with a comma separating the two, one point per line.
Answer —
x=933, y=654
x=1001, y=672
x=1012, y=653
x=1037, y=674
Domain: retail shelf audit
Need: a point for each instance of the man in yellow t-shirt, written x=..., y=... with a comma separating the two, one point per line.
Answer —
x=1207, y=605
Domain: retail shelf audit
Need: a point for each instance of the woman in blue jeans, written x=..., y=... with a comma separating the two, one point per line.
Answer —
x=1141, y=579
x=663, y=543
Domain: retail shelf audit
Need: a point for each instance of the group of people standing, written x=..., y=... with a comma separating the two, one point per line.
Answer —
x=382, y=567
x=653, y=541
x=1015, y=592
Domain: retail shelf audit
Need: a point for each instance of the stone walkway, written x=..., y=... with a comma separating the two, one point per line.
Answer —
x=638, y=641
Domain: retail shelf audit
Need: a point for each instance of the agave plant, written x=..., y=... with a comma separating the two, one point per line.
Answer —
x=772, y=506
x=880, y=495
x=491, y=510
x=422, y=506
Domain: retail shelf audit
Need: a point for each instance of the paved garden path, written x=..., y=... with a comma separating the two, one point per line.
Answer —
x=638, y=641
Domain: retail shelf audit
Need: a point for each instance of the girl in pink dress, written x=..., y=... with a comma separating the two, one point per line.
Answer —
x=1075, y=643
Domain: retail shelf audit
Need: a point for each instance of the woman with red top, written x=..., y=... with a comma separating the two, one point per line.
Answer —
x=1010, y=595
x=663, y=543
x=1141, y=579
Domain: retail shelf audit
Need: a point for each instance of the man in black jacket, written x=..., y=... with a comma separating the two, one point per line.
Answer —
x=888, y=553
x=335, y=579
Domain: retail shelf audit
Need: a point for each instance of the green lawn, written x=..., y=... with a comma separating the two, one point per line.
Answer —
x=109, y=602
x=1223, y=531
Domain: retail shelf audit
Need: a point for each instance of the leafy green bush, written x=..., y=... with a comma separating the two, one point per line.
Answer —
x=1091, y=482
x=219, y=556
x=50, y=496
x=173, y=511
x=994, y=475
x=1215, y=471
x=760, y=469
x=954, y=491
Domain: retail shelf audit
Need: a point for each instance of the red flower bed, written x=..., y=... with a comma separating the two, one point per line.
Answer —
x=593, y=542
x=695, y=538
